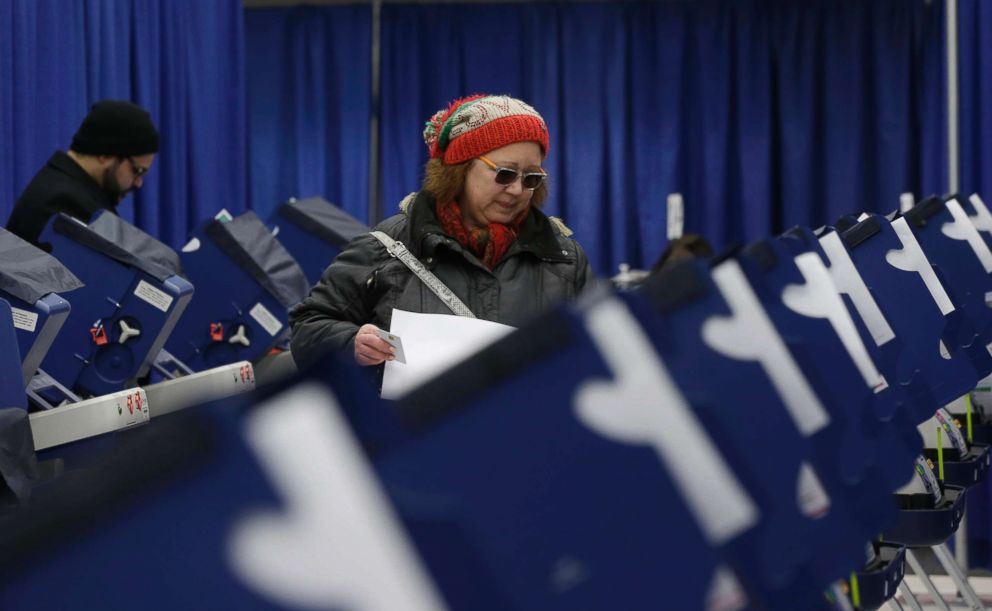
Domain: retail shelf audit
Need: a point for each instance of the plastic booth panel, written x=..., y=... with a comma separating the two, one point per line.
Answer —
x=911, y=393
x=246, y=282
x=963, y=263
x=120, y=319
x=874, y=434
x=314, y=231
x=751, y=397
x=914, y=303
x=263, y=504
x=32, y=282
x=594, y=465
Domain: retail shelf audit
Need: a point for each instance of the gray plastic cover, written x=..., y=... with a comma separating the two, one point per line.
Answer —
x=323, y=219
x=250, y=244
x=136, y=241
x=29, y=273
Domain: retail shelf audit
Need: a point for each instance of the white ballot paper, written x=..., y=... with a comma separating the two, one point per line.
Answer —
x=433, y=343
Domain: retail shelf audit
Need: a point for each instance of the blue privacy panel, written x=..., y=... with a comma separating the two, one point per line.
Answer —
x=803, y=542
x=871, y=441
x=912, y=311
x=121, y=319
x=944, y=239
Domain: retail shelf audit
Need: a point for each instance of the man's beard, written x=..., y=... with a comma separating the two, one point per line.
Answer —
x=110, y=185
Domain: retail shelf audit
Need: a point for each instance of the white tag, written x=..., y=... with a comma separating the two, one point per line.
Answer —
x=848, y=280
x=818, y=298
x=881, y=385
x=223, y=216
x=812, y=498
x=24, y=320
x=927, y=477
x=725, y=592
x=149, y=294
x=963, y=229
x=333, y=541
x=641, y=405
x=192, y=246
x=676, y=216
x=264, y=317
x=910, y=258
x=944, y=354
x=393, y=340
x=953, y=433
x=132, y=408
x=748, y=335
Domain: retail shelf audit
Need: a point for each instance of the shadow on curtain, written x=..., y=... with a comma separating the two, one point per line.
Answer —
x=762, y=114
x=180, y=59
x=309, y=105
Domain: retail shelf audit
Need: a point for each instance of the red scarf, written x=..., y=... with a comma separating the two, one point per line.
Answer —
x=489, y=244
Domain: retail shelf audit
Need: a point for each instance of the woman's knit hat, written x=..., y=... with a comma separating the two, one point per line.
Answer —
x=475, y=125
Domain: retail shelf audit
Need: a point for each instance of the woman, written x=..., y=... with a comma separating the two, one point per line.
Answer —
x=475, y=223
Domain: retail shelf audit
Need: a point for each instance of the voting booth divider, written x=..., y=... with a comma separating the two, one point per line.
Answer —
x=314, y=231
x=760, y=430
x=245, y=283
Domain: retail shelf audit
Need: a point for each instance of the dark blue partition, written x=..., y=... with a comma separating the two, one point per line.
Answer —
x=32, y=282
x=803, y=303
x=810, y=532
x=314, y=231
x=913, y=392
x=121, y=317
x=907, y=292
x=246, y=281
x=962, y=261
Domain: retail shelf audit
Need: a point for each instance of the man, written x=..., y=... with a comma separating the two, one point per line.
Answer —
x=110, y=154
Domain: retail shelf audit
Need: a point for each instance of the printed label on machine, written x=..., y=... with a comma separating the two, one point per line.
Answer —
x=151, y=295
x=264, y=317
x=24, y=319
x=927, y=478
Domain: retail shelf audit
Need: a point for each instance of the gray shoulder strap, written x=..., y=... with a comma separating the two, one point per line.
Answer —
x=398, y=250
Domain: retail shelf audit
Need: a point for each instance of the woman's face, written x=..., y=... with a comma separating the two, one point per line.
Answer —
x=483, y=200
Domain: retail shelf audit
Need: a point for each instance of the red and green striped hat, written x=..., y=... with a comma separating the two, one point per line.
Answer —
x=475, y=125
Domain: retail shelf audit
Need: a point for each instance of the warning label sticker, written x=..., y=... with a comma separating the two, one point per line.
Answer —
x=153, y=296
x=24, y=319
x=264, y=317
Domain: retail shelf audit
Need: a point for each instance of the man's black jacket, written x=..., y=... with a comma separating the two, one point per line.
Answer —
x=61, y=186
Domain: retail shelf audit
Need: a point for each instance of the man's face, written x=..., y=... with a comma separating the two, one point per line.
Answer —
x=125, y=174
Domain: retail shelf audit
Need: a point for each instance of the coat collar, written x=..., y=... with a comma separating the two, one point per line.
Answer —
x=537, y=233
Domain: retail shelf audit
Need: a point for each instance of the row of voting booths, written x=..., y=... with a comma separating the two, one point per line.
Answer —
x=784, y=426
x=104, y=327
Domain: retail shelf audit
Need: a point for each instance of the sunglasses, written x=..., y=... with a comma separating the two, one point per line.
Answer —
x=508, y=176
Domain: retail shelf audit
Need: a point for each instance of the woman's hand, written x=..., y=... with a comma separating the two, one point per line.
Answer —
x=370, y=349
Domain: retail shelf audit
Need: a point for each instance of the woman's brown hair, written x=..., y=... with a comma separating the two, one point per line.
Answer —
x=445, y=182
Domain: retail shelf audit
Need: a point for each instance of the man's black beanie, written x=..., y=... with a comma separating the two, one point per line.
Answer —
x=117, y=128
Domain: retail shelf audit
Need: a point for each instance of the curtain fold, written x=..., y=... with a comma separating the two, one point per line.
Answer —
x=762, y=114
x=183, y=60
x=309, y=105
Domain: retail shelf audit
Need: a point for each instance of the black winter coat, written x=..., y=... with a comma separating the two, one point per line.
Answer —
x=364, y=283
x=60, y=186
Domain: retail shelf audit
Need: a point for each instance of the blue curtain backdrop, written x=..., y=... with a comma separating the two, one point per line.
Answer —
x=183, y=60
x=762, y=114
x=309, y=105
